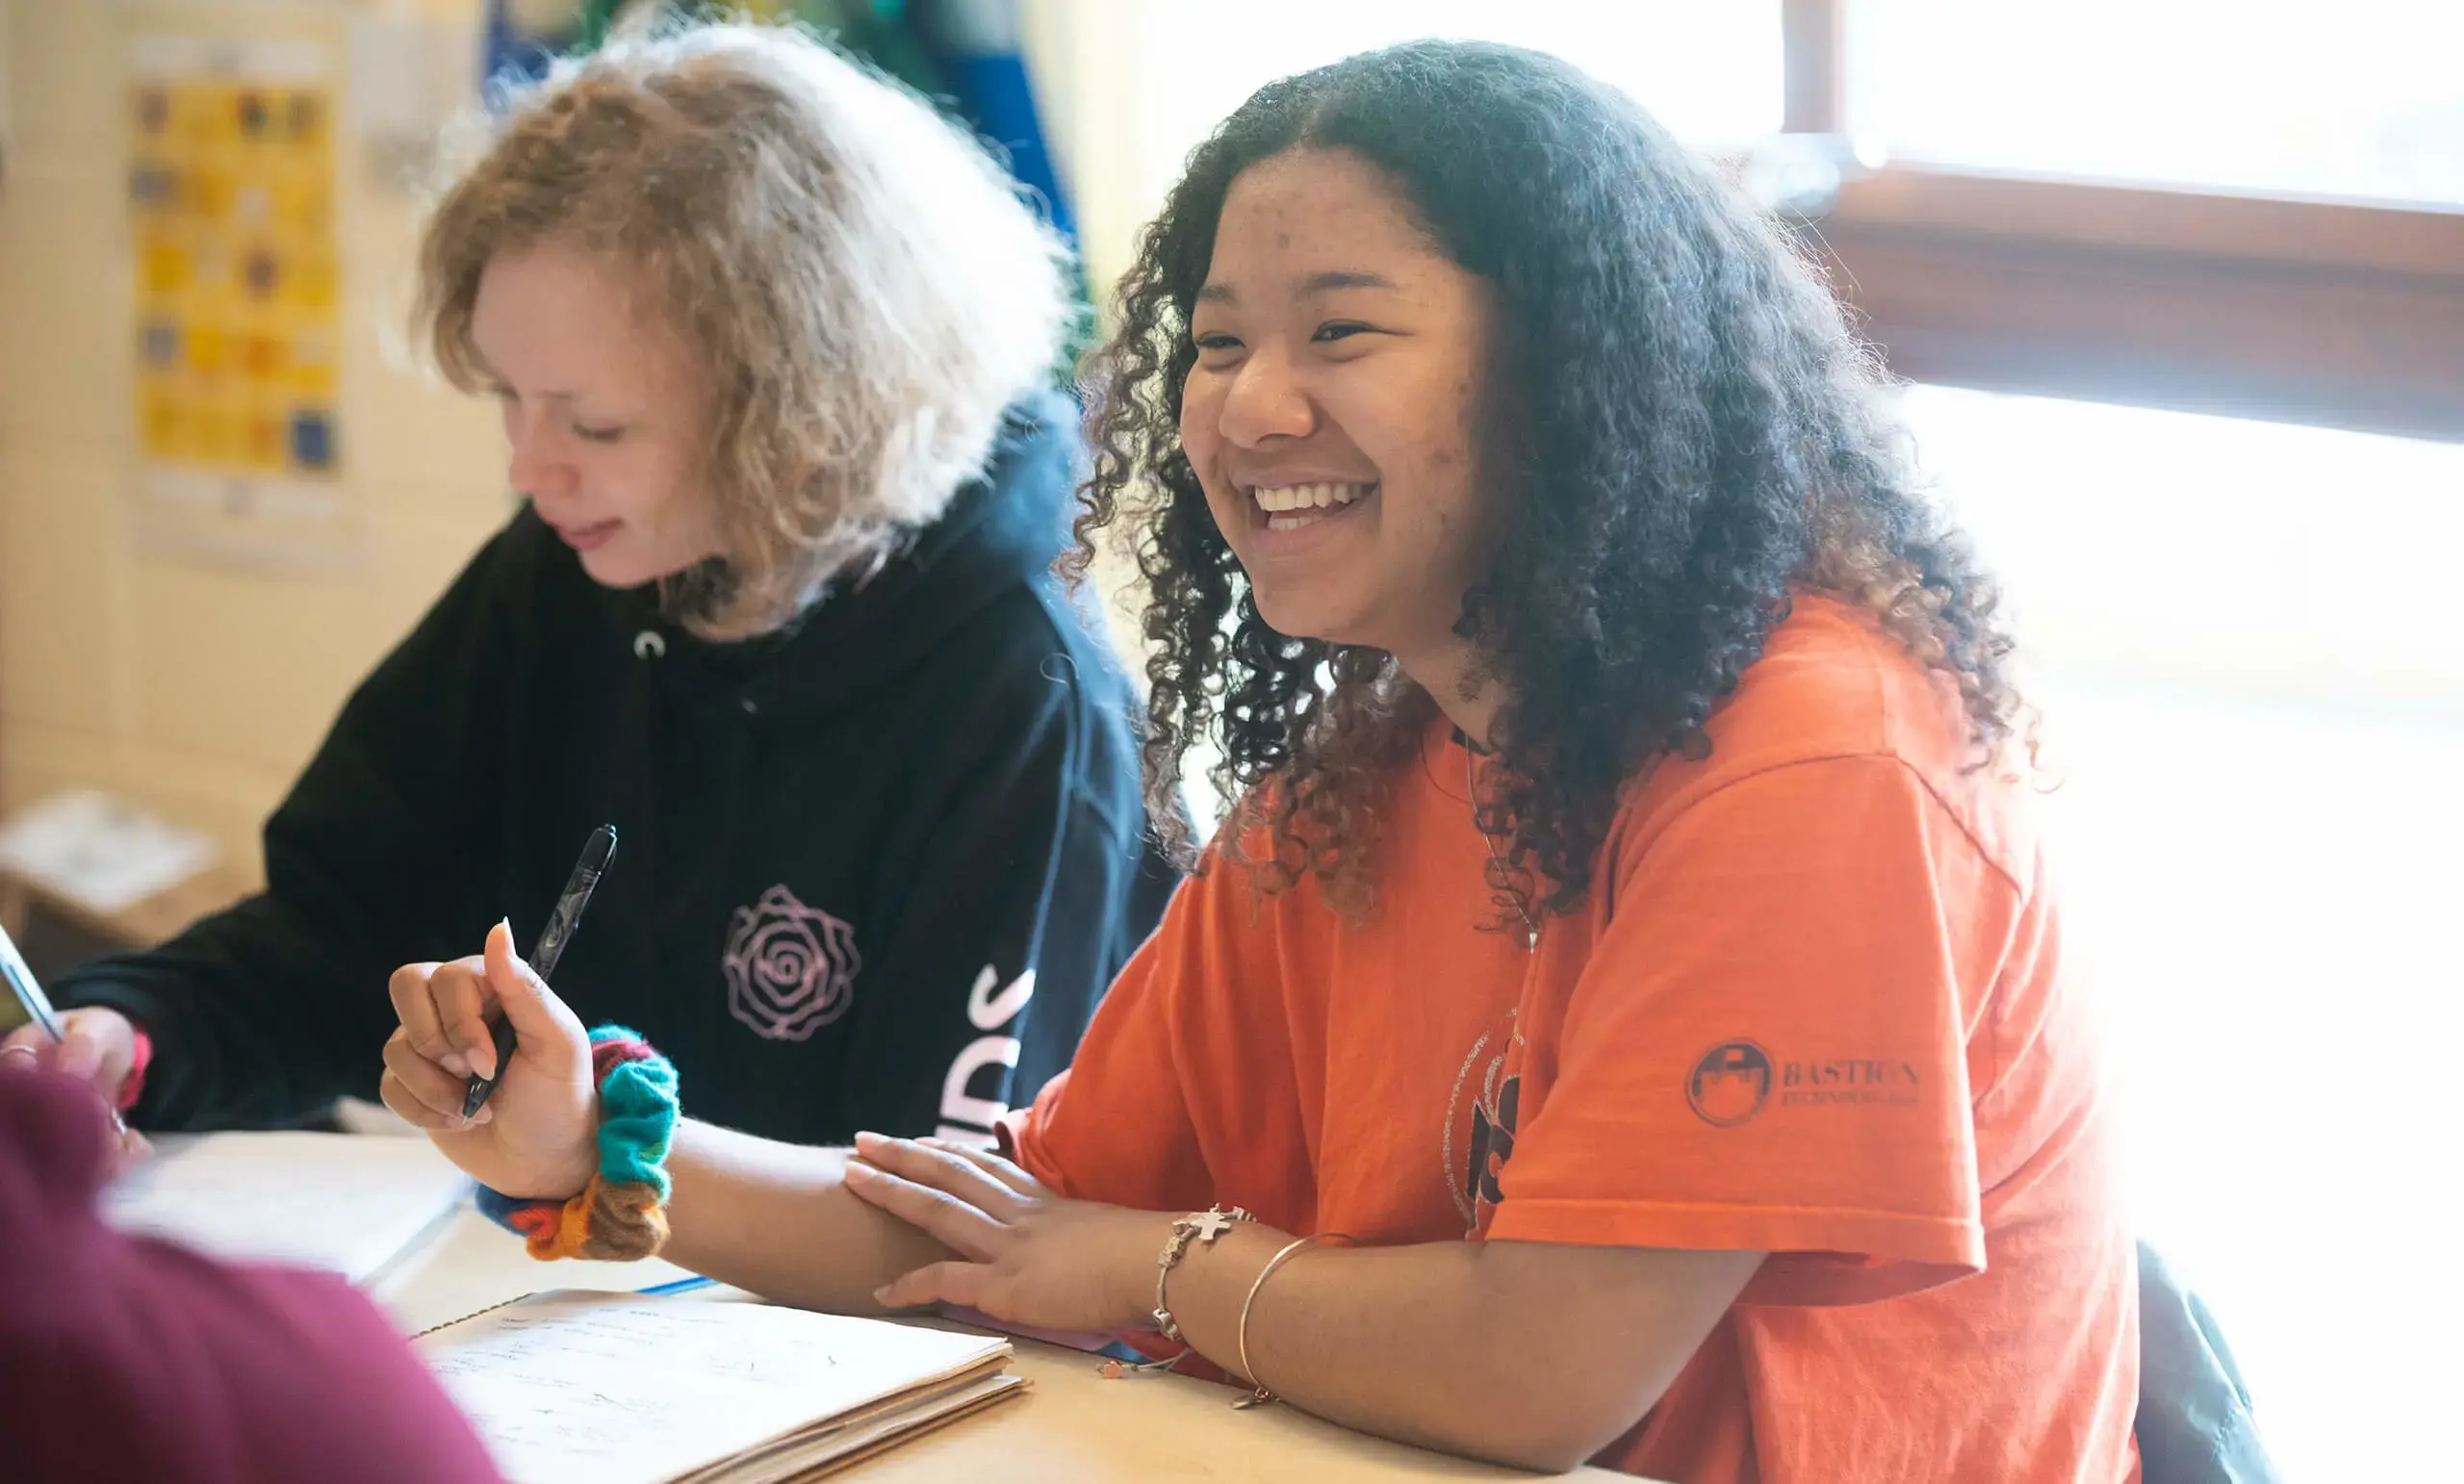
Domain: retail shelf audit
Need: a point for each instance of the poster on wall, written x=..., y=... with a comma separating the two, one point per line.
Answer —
x=237, y=297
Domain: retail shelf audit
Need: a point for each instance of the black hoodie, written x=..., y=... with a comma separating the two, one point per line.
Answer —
x=872, y=872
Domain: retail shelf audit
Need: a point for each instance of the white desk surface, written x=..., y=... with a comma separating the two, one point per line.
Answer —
x=1071, y=1426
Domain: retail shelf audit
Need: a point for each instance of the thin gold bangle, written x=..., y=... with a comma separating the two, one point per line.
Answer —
x=1260, y=1396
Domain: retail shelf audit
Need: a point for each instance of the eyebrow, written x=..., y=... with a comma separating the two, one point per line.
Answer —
x=1344, y=278
x=497, y=383
x=1328, y=282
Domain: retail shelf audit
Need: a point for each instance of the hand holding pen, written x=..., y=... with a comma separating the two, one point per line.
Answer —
x=531, y=1131
x=595, y=852
x=32, y=1024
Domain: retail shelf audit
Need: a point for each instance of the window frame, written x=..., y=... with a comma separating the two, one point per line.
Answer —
x=2343, y=312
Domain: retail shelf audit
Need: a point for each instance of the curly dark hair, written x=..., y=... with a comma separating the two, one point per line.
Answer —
x=1678, y=422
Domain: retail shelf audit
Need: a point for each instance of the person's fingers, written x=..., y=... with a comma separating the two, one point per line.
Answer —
x=97, y=1046
x=547, y=1029
x=417, y=1011
x=27, y=1040
x=434, y=1090
x=937, y=1283
x=396, y=1094
x=459, y=990
x=432, y=1087
x=81, y=1052
x=942, y=1169
x=991, y=1164
x=391, y=1092
x=952, y=1222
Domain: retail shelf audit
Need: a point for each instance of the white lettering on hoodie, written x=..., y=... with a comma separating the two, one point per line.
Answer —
x=966, y=1119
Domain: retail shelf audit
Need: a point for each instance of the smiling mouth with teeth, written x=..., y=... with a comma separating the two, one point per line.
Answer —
x=1292, y=506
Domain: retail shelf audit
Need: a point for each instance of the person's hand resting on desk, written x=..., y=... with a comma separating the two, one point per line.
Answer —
x=536, y=1137
x=1026, y=1255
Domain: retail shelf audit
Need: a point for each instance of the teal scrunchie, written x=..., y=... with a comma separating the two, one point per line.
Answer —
x=638, y=1109
x=623, y=1214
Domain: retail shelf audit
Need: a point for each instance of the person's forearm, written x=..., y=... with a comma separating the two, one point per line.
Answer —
x=255, y=1024
x=774, y=1219
x=1443, y=1345
x=1395, y=1346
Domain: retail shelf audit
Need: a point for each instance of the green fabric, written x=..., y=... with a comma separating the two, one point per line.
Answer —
x=597, y=16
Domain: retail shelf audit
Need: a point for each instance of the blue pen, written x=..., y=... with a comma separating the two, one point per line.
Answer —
x=31, y=1000
x=36, y=1005
x=680, y=1286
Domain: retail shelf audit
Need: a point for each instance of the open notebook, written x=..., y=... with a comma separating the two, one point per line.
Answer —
x=346, y=1203
x=615, y=1388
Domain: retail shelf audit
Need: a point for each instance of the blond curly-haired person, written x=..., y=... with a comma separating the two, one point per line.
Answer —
x=768, y=335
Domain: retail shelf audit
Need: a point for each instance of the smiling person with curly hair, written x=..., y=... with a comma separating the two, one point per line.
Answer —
x=1626, y=1004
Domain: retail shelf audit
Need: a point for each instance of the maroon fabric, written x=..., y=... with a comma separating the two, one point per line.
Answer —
x=123, y=1358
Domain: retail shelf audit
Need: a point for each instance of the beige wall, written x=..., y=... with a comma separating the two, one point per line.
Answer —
x=196, y=689
x=1083, y=54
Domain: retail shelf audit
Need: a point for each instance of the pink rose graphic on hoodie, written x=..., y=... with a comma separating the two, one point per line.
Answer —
x=791, y=968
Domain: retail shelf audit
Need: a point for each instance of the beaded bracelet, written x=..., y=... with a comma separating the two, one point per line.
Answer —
x=621, y=1213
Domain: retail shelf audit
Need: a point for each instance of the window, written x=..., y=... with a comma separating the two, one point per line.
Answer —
x=1710, y=72
x=2360, y=99
x=2287, y=565
x=2191, y=258
x=2254, y=705
x=2252, y=693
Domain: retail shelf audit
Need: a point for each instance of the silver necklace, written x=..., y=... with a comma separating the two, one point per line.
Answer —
x=1472, y=786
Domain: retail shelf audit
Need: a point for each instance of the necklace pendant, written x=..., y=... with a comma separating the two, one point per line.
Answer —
x=1530, y=940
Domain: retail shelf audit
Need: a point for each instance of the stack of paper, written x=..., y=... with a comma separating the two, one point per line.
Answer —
x=337, y=1201
x=99, y=852
x=629, y=1387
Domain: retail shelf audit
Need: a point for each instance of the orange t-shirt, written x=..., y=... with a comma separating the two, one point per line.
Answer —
x=1812, y=1005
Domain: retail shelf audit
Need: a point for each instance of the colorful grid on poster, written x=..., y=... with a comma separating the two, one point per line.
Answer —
x=231, y=192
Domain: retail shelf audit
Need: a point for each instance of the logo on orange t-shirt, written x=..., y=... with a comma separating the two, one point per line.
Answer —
x=1848, y=1081
x=1730, y=1084
x=1486, y=1128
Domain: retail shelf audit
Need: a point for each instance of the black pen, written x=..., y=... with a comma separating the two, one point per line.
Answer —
x=595, y=852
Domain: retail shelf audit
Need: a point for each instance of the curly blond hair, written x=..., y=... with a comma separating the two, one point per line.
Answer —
x=862, y=284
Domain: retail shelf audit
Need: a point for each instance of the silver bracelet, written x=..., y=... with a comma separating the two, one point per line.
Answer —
x=1197, y=1226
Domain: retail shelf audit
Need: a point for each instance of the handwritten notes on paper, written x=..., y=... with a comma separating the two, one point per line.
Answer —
x=345, y=1203
x=614, y=1387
